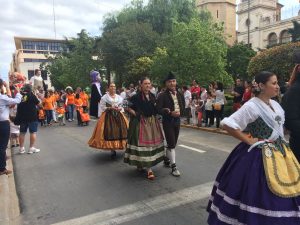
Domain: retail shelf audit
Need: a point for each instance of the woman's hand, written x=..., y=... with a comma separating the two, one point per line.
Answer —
x=252, y=141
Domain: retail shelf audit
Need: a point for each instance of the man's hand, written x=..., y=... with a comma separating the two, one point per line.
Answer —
x=175, y=114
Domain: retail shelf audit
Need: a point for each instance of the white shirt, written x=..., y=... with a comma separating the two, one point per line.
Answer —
x=187, y=98
x=5, y=102
x=209, y=104
x=220, y=97
x=123, y=94
x=116, y=101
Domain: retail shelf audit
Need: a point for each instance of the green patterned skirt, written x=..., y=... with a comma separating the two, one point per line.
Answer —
x=144, y=156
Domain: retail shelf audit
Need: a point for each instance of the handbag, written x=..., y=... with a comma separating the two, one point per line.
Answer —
x=217, y=106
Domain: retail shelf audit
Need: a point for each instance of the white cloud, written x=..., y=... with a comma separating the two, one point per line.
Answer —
x=34, y=18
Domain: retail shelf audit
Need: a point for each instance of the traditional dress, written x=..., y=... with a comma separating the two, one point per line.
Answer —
x=258, y=184
x=145, y=146
x=110, y=132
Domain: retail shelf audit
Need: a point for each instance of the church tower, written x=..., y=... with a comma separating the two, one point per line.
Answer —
x=222, y=11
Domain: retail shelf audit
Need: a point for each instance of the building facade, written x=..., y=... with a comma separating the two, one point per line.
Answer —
x=260, y=24
x=31, y=53
x=222, y=11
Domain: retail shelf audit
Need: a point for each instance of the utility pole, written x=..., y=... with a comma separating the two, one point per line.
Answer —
x=54, y=23
x=248, y=23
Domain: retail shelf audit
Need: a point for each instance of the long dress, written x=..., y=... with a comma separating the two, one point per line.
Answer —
x=145, y=147
x=110, y=132
x=245, y=192
x=95, y=99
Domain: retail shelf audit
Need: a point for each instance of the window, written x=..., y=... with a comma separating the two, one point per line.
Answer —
x=28, y=45
x=285, y=37
x=30, y=74
x=54, y=46
x=272, y=39
x=35, y=60
x=40, y=45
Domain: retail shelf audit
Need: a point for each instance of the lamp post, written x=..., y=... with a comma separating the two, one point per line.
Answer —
x=248, y=23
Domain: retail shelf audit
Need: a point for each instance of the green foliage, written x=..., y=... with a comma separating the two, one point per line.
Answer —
x=238, y=58
x=295, y=31
x=73, y=65
x=139, y=68
x=193, y=51
x=127, y=43
x=278, y=59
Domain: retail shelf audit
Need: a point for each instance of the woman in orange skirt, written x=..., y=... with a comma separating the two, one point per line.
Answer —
x=110, y=132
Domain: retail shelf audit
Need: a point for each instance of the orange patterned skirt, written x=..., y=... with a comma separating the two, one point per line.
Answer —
x=98, y=140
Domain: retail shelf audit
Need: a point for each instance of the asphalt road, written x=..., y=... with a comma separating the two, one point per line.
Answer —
x=70, y=183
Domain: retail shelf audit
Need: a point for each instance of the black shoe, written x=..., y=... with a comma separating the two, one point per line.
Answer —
x=113, y=154
x=167, y=162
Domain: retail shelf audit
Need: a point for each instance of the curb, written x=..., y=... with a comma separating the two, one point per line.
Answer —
x=9, y=207
x=212, y=130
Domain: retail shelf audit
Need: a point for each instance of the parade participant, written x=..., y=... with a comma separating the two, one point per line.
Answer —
x=60, y=110
x=110, y=132
x=96, y=94
x=291, y=105
x=5, y=102
x=259, y=182
x=145, y=146
x=78, y=106
x=85, y=99
x=37, y=81
x=170, y=104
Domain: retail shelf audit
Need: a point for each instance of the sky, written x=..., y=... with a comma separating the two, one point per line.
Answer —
x=34, y=18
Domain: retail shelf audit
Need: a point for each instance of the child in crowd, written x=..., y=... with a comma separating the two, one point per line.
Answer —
x=78, y=104
x=14, y=129
x=194, y=107
x=209, y=110
x=60, y=110
x=48, y=106
x=200, y=104
x=42, y=116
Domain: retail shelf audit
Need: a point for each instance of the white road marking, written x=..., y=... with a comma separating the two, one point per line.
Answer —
x=191, y=148
x=144, y=208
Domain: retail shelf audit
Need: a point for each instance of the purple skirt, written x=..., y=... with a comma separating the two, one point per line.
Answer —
x=241, y=195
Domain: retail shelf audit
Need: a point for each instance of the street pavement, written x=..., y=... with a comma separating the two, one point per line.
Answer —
x=70, y=183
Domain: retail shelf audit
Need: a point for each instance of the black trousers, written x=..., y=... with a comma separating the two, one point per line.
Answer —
x=295, y=146
x=209, y=115
x=4, y=138
x=219, y=115
x=171, y=130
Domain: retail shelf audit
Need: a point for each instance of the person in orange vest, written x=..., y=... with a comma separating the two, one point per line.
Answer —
x=70, y=100
x=48, y=106
x=78, y=104
x=60, y=110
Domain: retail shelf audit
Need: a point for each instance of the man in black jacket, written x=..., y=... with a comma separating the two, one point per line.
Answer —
x=170, y=104
x=291, y=106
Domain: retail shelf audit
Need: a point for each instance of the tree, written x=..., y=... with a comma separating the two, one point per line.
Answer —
x=278, y=59
x=127, y=43
x=73, y=65
x=238, y=58
x=195, y=50
x=139, y=68
x=295, y=31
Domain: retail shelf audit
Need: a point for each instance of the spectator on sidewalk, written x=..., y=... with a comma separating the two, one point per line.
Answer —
x=188, y=100
x=219, y=103
x=209, y=113
x=27, y=118
x=5, y=102
x=195, y=88
x=237, y=93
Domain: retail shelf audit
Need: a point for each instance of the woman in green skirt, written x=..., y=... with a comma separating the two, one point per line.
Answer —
x=145, y=146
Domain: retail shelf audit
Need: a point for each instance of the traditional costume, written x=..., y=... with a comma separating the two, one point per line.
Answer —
x=96, y=94
x=168, y=102
x=258, y=184
x=110, y=132
x=145, y=146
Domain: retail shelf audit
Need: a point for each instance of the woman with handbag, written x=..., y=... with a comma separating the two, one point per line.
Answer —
x=110, y=132
x=259, y=182
x=145, y=146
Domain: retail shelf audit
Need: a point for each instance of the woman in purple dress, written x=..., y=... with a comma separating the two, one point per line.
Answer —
x=259, y=184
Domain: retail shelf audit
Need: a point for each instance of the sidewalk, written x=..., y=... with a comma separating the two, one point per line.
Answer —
x=9, y=202
x=207, y=129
